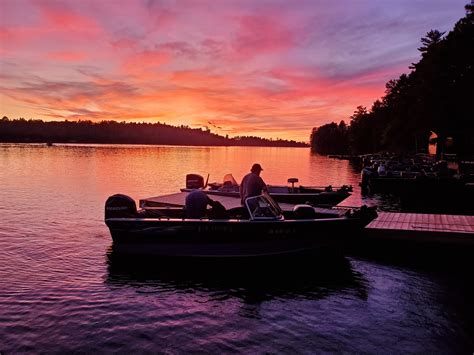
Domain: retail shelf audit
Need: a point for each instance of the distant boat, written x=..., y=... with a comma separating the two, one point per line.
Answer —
x=326, y=195
x=49, y=144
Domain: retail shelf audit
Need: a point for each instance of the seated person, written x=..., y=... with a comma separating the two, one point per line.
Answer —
x=196, y=206
x=217, y=211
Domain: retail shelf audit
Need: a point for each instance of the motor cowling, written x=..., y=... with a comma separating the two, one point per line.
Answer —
x=120, y=206
x=194, y=181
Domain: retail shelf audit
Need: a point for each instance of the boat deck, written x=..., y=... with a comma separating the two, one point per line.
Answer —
x=178, y=200
x=418, y=227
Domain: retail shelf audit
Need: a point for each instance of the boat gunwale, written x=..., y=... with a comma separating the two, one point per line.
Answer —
x=223, y=220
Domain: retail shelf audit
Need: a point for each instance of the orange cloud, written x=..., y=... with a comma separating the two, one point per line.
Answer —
x=199, y=79
x=143, y=62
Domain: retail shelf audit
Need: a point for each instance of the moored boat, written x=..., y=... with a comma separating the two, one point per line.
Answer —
x=260, y=228
x=326, y=195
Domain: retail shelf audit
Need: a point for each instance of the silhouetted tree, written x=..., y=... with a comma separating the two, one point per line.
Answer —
x=330, y=139
x=432, y=38
x=436, y=96
x=22, y=130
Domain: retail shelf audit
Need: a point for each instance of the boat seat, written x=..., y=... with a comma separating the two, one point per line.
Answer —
x=304, y=212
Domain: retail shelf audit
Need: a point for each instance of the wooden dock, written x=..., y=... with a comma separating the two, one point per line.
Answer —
x=440, y=229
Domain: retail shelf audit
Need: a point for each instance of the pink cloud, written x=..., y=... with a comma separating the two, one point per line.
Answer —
x=4, y=33
x=142, y=63
x=13, y=39
x=261, y=34
x=67, y=56
x=67, y=20
x=124, y=43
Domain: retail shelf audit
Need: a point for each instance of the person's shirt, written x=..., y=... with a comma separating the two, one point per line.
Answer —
x=252, y=185
x=196, y=204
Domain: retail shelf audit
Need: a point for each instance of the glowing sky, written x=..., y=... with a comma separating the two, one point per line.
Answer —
x=265, y=68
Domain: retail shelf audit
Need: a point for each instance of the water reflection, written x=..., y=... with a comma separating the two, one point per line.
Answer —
x=61, y=293
x=384, y=202
x=355, y=166
x=250, y=282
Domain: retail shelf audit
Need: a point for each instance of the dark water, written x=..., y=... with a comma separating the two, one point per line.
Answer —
x=63, y=289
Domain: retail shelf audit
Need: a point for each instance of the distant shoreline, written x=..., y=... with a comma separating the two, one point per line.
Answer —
x=53, y=143
x=112, y=132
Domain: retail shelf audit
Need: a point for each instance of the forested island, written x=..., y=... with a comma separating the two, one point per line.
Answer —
x=437, y=96
x=112, y=132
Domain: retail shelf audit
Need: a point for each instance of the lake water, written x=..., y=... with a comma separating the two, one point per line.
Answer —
x=62, y=289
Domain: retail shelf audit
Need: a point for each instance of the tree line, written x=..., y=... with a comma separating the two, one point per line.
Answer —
x=436, y=96
x=112, y=132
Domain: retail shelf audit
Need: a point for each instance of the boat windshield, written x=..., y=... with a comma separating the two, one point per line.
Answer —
x=229, y=180
x=262, y=208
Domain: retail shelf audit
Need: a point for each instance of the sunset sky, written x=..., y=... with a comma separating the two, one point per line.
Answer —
x=267, y=68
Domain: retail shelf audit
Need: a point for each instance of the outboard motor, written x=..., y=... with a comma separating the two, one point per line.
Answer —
x=120, y=206
x=194, y=181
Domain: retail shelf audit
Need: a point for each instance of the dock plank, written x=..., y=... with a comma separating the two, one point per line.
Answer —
x=449, y=229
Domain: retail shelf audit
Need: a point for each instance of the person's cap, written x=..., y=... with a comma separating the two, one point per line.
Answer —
x=256, y=167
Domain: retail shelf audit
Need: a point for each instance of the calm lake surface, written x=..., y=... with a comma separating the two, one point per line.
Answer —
x=62, y=289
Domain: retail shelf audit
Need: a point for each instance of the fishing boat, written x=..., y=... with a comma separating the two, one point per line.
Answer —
x=325, y=195
x=259, y=228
